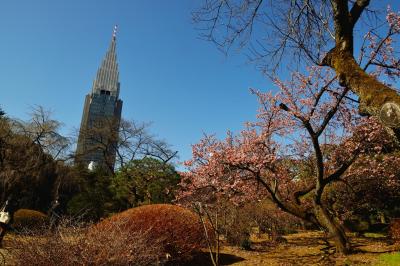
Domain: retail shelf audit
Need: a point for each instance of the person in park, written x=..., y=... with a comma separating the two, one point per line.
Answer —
x=6, y=216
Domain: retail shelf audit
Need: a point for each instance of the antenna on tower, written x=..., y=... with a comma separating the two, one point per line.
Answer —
x=114, y=35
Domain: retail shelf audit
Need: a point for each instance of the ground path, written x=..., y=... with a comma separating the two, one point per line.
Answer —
x=306, y=248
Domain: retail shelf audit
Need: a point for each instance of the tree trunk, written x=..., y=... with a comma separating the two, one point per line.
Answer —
x=374, y=95
x=334, y=229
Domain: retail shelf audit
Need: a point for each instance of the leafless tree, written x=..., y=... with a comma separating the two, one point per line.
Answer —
x=136, y=142
x=43, y=130
x=130, y=141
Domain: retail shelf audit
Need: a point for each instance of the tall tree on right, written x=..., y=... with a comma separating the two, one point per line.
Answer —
x=348, y=49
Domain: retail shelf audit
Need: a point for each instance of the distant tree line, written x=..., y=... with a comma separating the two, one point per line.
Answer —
x=37, y=169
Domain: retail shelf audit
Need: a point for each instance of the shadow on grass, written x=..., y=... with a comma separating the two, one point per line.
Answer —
x=303, y=250
x=203, y=259
x=361, y=242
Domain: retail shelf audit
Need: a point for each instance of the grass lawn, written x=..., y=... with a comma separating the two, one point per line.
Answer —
x=392, y=259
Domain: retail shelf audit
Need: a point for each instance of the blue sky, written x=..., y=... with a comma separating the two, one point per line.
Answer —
x=50, y=51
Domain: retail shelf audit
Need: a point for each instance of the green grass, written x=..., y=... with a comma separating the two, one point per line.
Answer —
x=392, y=259
x=374, y=235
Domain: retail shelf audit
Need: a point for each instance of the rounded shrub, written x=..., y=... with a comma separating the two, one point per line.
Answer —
x=26, y=220
x=178, y=231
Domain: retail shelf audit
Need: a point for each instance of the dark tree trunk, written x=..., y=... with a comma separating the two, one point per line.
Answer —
x=334, y=229
x=376, y=99
x=321, y=217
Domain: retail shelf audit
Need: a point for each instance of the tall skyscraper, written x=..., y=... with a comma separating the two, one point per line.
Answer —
x=101, y=116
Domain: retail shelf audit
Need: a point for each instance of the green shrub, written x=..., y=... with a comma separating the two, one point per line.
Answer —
x=246, y=243
x=177, y=230
x=29, y=220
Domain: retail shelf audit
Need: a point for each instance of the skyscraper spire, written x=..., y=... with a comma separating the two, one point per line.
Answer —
x=114, y=35
x=106, y=80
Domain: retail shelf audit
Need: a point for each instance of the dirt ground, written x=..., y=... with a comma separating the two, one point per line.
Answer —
x=305, y=248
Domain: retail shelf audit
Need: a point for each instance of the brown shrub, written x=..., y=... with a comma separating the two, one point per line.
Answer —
x=69, y=245
x=271, y=220
x=238, y=230
x=176, y=229
x=394, y=230
x=29, y=220
x=239, y=222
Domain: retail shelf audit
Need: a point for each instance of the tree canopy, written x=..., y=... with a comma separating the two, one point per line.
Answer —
x=318, y=33
x=145, y=181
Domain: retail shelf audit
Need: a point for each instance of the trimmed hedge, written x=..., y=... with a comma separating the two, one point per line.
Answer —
x=178, y=231
x=26, y=220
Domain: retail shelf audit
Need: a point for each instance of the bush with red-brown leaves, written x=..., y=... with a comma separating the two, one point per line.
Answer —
x=394, y=230
x=76, y=245
x=177, y=230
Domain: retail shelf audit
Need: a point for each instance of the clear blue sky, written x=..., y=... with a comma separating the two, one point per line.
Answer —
x=50, y=51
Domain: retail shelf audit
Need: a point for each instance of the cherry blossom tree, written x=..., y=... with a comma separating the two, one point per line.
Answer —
x=370, y=191
x=310, y=123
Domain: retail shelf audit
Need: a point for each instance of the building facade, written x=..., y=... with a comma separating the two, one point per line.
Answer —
x=98, y=134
